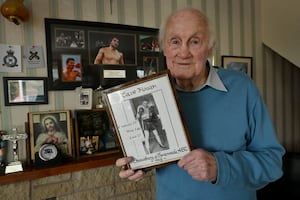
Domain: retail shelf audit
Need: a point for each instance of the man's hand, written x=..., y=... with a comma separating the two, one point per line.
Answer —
x=200, y=164
x=129, y=173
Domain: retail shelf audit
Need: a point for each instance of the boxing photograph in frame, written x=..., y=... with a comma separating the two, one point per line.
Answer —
x=74, y=44
x=147, y=121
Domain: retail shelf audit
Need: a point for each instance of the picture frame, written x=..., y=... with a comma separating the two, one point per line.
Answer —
x=87, y=40
x=141, y=113
x=57, y=121
x=94, y=136
x=84, y=98
x=25, y=91
x=239, y=63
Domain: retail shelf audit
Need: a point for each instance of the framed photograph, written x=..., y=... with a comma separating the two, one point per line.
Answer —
x=94, y=134
x=25, y=90
x=85, y=43
x=238, y=63
x=71, y=67
x=147, y=121
x=50, y=127
x=84, y=98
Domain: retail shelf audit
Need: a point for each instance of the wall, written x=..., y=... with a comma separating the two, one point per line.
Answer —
x=101, y=183
x=280, y=28
x=234, y=20
x=282, y=96
x=238, y=32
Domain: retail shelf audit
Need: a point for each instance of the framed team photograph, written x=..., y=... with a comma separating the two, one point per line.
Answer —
x=50, y=135
x=238, y=63
x=147, y=121
x=95, y=43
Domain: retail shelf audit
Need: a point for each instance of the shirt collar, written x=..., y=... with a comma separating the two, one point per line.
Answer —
x=213, y=80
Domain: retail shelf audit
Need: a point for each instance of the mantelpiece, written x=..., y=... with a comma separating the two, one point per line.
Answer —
x=31, y=173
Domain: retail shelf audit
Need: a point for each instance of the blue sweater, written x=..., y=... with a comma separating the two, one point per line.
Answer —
x=236, y=127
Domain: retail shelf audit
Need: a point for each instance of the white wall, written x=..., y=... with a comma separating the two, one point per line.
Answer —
x=281, y=27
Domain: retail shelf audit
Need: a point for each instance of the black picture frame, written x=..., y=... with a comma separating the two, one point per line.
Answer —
x=94, y=136
x=25, y=90
x=239, y=63
x=85, y=38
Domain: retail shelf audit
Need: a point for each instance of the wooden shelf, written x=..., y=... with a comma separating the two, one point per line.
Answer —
x=31, y=173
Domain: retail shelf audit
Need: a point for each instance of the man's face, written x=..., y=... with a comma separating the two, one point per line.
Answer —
x=70, y=65
x=186, y=45
x=145, y=104
x=49, y=124
x=114, y=43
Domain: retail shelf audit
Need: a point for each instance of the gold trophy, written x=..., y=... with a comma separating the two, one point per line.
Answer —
x=15, y=165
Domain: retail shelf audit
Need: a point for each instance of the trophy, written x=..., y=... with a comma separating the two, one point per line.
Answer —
x=98, y=97
x=15, y=165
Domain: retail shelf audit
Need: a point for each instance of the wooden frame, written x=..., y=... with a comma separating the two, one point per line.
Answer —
x=84, y=39
x=93, y=134
x=62, y=122
x=148, y=121
x=239, y=63
x=25, y=90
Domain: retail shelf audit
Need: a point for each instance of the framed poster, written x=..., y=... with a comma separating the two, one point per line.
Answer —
x=25, y=90
x=50, y=127
x=94, y=134
x=238, y=63
x=96, y=43
x=148, y=121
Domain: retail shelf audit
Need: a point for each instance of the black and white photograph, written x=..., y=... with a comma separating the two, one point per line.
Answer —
x=154, y=136
x=147, y=121
x=69, y=38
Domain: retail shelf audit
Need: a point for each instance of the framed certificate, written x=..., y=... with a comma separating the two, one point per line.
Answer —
x=148, y=121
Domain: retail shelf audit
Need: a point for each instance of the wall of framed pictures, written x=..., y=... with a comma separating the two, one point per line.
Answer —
x=136, y=48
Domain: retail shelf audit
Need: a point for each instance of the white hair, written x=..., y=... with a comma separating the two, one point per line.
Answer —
x=211, y=33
